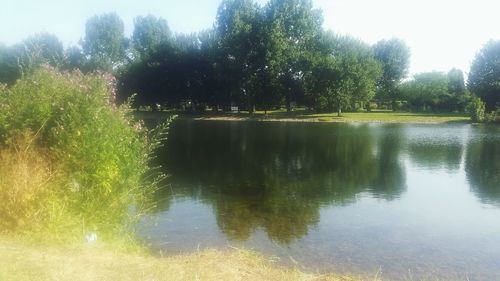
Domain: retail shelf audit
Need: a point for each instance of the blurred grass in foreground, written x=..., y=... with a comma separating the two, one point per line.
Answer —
x=22, y=261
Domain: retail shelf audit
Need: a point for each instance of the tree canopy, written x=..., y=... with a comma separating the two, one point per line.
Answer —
x=104, y=42
x=427, y=90
x=256, y=57
x=342, y=75
x=394, y=55
x=149, y=33
x=293, y=27
x=484, y=76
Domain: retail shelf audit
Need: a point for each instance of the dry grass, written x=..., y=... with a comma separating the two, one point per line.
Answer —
x=27, y=178
x=20, y=261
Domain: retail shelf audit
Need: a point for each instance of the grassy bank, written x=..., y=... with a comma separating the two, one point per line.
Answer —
x=304, y=116
x=22, y=261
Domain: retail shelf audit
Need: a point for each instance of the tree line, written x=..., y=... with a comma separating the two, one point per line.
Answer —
x=257, y=57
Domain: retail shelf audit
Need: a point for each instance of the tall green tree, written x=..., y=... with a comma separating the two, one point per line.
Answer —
x=75, y=59
x=456, y=87
x=149, y=33
x=104, y=41
x=293, y=27
x=427, y=91
x=42, y=48
x=344, y=74
x=394, y=55
x=179, y=73
x=456, y=82
x=9, y=64
x=484, y=75
x=241, y=53
x=23, y=58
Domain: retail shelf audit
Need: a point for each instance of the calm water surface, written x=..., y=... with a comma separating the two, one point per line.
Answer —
x=408, y=201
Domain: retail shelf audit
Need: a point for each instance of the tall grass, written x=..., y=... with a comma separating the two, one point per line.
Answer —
x=27, y=178
x=72, y=160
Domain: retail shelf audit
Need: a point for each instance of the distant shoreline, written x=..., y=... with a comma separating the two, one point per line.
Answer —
x=349, y=117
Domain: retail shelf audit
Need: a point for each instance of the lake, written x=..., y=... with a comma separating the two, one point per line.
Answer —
x=401, y=200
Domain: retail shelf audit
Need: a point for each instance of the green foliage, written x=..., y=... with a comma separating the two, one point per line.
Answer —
x=25, y=57
x=240, y=41
x=104, y=41
x=75, y=59
x=436, y=91
x=344, y=75
x=9, y=64
x=101, y=150
x=456, y=83
x=177, y=74
x=484, y=75
x=493, y=116
x=293, y=29
x=41, y=49
x=394, y=55
x=149, y=33
x=476, y=109
x=257, y=57
x=456, y=87
x=427, y=91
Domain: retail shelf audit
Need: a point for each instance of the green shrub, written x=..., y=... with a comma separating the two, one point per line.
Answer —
x=493, y=117
x=100, y=149
x=400, y=105
x=372, y=105
x=476, y=109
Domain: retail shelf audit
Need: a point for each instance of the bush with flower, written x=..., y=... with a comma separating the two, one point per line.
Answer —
x=100, y=151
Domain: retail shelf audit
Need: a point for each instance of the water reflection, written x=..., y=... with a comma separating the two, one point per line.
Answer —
x=436, y=147
x=483, y=165
x=277, y=176
x=390, y=180
x=359, y=197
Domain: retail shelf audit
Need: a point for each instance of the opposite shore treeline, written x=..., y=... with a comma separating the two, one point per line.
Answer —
x=258, y=57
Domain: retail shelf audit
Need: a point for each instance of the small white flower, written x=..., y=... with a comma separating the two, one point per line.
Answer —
x=91, y=237
x=75, y=186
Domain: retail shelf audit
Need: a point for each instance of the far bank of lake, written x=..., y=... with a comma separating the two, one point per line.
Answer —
x=304, y=116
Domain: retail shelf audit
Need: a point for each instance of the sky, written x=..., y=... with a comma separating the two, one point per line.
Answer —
x=441, y=34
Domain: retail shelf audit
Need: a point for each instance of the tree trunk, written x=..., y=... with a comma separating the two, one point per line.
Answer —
x=339, y=112
x=251, y=106
x=288, y=103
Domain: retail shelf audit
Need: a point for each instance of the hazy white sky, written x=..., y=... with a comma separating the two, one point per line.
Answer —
x=441, y=33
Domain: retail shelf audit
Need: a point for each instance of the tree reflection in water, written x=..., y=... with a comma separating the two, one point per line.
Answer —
x=276, y=176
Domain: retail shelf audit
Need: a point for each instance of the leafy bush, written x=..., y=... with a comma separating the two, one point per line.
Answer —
x=372, y=105
x=400, y=105
x=476, y=109
x=100, y=149
x=493, y=117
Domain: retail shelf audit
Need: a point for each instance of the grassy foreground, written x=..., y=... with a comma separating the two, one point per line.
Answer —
x=22, y=261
